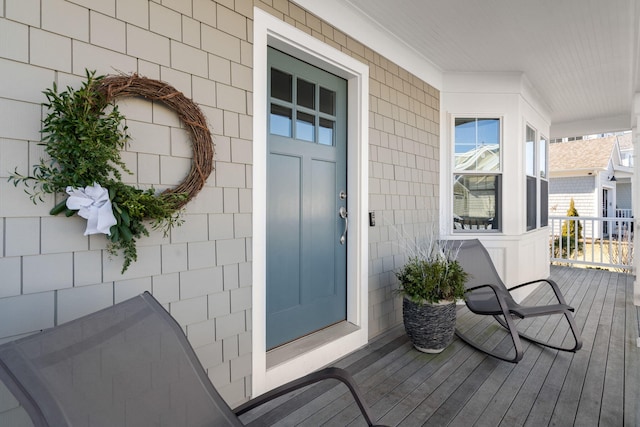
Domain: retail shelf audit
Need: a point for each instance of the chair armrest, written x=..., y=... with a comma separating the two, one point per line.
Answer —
x=553, y=284
x=501, y=301
x=323, y=374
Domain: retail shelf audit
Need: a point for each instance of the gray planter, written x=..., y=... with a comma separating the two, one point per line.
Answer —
x=430, y=327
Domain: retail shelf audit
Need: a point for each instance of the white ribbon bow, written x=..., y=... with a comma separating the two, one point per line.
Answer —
x=93, y=204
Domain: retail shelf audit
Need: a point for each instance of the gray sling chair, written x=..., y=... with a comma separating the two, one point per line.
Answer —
x=126, y=365
x=488, y=295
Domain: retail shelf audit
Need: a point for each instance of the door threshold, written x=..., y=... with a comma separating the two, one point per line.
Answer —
x=296, y=348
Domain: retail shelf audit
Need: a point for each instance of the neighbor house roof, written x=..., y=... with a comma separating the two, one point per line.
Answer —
x=585, y=154
x=625, y=142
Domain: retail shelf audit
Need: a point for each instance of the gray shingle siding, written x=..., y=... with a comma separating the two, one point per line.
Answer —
x=581, y=189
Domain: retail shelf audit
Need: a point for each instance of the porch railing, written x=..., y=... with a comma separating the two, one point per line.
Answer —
x=605, y=242
x=624, y=213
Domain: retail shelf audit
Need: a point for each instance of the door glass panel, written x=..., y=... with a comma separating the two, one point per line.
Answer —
x=325, y=136
x=327, y=101
x=306, y=94
x=281, y=85
x=305, y=127
x=280, y=121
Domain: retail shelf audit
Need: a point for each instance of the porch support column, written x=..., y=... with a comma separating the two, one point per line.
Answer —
x=635, y=182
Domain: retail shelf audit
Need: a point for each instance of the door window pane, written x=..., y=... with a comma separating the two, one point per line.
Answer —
x=306, y=94
x=327, y=101
x=325, y=136
x=280, y=121
x=281, y=85
x=305, y=127
x=302, y=109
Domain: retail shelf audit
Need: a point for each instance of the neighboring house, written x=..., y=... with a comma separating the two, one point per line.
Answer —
x=596, y=173
x=624, y=186
x=258, y=275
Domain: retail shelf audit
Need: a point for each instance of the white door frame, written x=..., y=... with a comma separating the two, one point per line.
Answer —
x=270, y=31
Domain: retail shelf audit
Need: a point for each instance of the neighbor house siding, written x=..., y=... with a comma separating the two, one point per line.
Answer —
x=580, y=189
x=202, y=271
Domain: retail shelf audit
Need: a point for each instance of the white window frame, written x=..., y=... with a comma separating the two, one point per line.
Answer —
x=541, y=178
x=454, y=171
x=534, y=175
x=537, y=138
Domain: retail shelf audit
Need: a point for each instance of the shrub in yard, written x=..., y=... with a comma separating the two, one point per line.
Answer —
x=570, y=241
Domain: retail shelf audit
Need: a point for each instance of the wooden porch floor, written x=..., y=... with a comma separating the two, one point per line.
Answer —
x=598, y=385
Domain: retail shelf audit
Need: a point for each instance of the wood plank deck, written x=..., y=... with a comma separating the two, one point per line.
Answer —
x=598, y=385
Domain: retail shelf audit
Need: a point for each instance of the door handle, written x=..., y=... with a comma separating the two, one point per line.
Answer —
x=342, y=213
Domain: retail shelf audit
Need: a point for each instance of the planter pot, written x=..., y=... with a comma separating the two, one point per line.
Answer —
x=430, y=327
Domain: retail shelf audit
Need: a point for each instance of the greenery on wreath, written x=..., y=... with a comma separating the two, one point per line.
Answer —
x=83, y=139
x=432, y=273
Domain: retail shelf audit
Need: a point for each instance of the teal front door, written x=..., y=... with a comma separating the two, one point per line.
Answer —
x=306, y=199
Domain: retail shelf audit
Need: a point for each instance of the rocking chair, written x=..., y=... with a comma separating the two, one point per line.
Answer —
x=488, y=295
x=127, y=365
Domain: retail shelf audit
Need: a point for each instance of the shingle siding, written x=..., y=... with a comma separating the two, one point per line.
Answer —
x=51, y=272
x=201, y=271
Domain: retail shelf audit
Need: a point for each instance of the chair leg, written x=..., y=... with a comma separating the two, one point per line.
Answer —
x=515, y=338
x=572, y=325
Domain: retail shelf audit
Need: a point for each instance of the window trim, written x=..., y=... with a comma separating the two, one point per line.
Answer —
x=479, y=172
x=531, y=178
x=544, y=207
x=537, y=176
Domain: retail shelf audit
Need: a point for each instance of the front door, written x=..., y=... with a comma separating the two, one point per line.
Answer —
x=306, y=199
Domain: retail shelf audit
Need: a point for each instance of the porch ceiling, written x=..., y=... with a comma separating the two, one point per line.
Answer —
x=581, y=56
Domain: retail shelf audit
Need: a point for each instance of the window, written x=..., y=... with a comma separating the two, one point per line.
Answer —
x=537, y=180
x=312, y=106
x=532, y=181
x=477, y=174
x=544, y=181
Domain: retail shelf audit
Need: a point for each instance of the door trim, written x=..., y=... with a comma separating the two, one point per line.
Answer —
x=270, y=31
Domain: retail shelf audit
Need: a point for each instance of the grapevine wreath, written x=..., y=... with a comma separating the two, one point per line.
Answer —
x=83, y=135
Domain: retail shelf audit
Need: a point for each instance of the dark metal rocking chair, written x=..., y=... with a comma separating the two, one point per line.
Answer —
x=126, y=365
x=488, y=295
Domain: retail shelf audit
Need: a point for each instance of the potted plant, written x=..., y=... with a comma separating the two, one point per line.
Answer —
x=431, y=282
